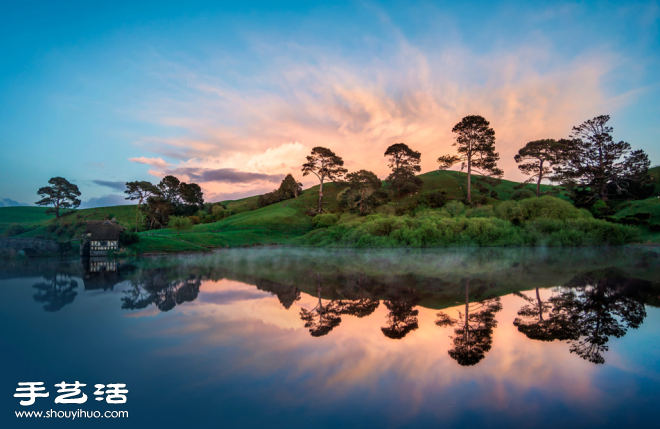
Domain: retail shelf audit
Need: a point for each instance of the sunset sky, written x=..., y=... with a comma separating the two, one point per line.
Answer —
x=233, y=95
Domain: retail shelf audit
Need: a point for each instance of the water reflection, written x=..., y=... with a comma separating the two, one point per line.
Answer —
x=56, y=291
x=473, y=336
x=586, y=307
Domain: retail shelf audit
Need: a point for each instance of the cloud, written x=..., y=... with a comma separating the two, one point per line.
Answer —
x=117, y=186
x=6, y=202
x=262, y=125
x=225, y=175
x=156, y=162
x=105, y=201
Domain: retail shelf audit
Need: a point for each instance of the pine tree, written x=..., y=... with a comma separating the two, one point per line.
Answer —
x=537, y=158
x=61, y=194
x=475, y=140
x=325, y=165
x=404, y=163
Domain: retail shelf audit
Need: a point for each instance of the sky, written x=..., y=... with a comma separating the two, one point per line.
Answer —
x=234, y=95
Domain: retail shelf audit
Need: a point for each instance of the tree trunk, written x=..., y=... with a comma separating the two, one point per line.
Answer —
x=538, y=183
x=321, y=197
x=467, y=311
x=137, y=215
x=538, y=299
x=469, y=179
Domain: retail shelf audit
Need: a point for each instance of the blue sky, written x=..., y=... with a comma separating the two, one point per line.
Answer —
x=233, y=95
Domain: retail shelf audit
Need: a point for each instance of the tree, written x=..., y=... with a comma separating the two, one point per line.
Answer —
x=404, y=163
x=180, y=223
x=598, y=167
x=140, y=191
x=362, y=185
x=157, y=211
x=325, y=165
x=473, y=336
x=537, y=157
x=290, y=187
x=169, y=189
x=61, y=194
x=476, y=149
x=56, y=291
x=192, y=194
x=537, y=321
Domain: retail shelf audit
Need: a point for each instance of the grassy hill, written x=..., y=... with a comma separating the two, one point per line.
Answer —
x=279, y=223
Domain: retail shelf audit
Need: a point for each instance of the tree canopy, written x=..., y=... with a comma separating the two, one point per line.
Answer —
x=537, y=158
x=140, y=191
x=404, y=163
x=597, y=167
x=61, y=194
x=325, y=165
x=362, y=187
x=475, y=140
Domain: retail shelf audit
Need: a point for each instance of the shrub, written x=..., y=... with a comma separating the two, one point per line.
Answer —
x=522, y=194
x=386, y=210
x=218, y=212
x=600, y=208
x=195, y=220
x=324, y=220
x=180, y=223
x=128, y=237
x=549, y=207
x=454, y=208
x=434, y=200
x=14, y=230
x=483, y=211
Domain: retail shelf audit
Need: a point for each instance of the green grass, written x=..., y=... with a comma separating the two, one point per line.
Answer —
x=158, y=244
x=281, y=223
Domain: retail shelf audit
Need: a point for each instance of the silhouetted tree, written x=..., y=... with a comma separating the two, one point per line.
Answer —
x=169, y=189
x=140, y=191
x=325, y=165
x=538, y=323
x=154, y=286
x=402, y=318
x=475, y=140
x=596, y=166
x=56, y=292
x=598, y=306
x=61, y=194
x=537, y=158
x=473, y=336
x=192, y=194
x=157, y=211
x=321, y=319
x=404, y=163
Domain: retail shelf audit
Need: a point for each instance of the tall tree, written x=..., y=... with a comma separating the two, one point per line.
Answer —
x=321, y=319
x=404, y=163
x=61, y=194
x=597, y=166
x=537, y=158
x=192, y=194
x=290, y=187
x=169, y=189
x=140, y=191
x=475, y=140
x=325, y=165
x=362, y=184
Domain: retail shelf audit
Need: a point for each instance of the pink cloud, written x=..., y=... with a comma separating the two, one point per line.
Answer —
x=156, y=162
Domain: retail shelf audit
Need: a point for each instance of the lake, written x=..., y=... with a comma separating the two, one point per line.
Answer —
x=293, y=338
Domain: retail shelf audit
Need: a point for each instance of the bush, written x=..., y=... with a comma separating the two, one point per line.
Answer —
x=195, y=220
x=180, y=223
x=128, y=237
x=454, y=208
x=324, y=220
x=600, y=209
x=386, y=210
x=434, y=200
x=14, y=230
x=522, y=194
x=483, y=211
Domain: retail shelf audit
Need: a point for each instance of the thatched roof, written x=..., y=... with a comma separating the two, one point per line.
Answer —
x=104, y=229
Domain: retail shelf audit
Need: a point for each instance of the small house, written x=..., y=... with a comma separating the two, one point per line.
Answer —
x=100, y=237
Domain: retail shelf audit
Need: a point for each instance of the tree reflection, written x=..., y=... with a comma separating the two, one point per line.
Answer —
x=154, y=287
x=473, y=335
x=598, y=306
x=538, y=323
x=56, y=291
x=402, y=318
x=321, y=319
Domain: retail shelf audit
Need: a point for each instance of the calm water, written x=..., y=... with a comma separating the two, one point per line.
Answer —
x=290, y=338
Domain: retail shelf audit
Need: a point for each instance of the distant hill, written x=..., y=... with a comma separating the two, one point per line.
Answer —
x=278, y=223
